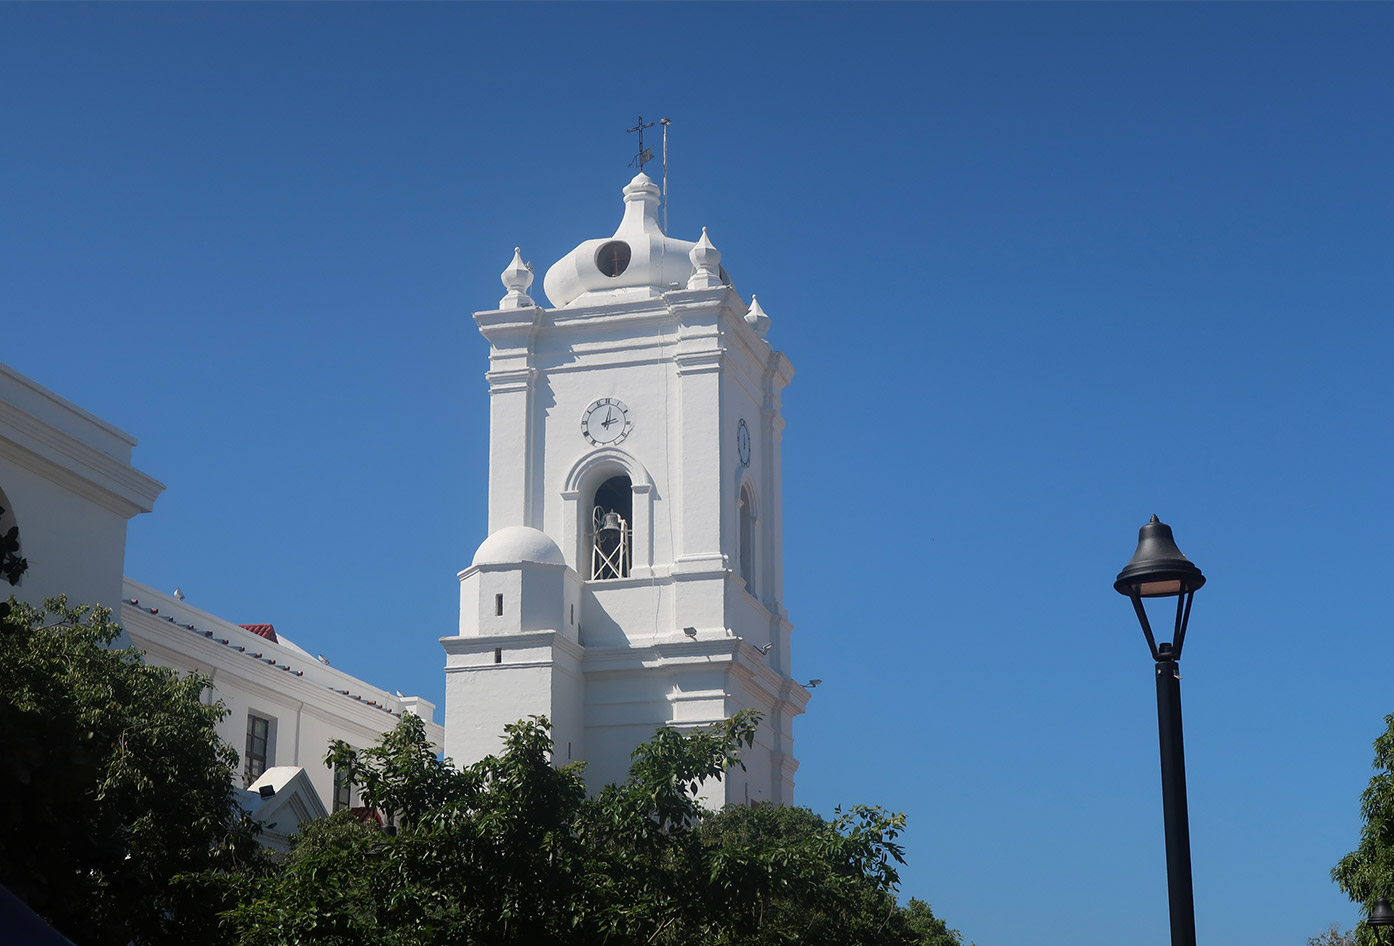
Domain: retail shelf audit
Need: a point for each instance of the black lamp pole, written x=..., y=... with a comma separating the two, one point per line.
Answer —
x=1159, y=570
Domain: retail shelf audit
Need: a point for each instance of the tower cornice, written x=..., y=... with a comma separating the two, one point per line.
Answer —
x=493, y=321
x=509, y=379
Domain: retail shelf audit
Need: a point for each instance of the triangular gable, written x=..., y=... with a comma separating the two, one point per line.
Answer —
x=294, y=803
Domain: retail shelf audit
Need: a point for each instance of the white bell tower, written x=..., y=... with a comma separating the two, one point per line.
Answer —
x=633, y=573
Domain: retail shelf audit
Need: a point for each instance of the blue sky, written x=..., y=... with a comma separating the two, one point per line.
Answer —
x=1043, y=270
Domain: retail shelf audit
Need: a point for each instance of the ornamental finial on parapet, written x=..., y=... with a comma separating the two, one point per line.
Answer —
x=757, y=318
x=516, y=278
x=706, y=265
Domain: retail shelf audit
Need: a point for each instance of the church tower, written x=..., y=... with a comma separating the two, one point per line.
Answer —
x=633, y=572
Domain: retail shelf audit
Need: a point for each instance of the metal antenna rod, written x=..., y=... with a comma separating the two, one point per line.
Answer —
x=665, y=122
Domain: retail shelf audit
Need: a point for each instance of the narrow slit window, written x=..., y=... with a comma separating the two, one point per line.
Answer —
x=746, y=552
x=258, y=741
x=498, y=605
x=343, y=790
x=498, y=655
x=573, y=614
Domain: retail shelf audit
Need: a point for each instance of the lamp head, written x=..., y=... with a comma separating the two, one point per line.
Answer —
x=1381, y=914
x=1157, y=569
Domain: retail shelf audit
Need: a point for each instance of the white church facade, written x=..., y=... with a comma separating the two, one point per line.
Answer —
x=632, y=575
x=67, y=484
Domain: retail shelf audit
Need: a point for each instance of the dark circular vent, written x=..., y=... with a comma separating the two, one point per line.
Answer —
x=612, y=258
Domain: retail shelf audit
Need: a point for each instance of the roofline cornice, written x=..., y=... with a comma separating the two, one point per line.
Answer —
x=459, y=644
x=255, y=675
x=77, y=466
x=63, y=404
x=198, y=634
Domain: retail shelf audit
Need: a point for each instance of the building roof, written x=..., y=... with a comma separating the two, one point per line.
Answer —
x=514, y=544
x=640, y=257
x=285, y=659
x=267, y=631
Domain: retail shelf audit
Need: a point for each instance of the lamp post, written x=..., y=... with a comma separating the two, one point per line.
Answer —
x=1159, y=570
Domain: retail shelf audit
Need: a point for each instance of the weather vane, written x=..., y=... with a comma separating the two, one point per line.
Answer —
x=645, y=155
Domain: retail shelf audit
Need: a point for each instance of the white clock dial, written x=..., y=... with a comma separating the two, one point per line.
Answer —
x=606, y=421
x=743, y=443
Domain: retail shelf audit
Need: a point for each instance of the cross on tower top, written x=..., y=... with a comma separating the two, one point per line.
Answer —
x=645, y=155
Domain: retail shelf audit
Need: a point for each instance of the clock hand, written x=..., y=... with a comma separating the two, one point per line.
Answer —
x=609, y=418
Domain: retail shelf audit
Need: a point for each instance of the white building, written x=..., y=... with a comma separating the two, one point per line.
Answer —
x=67, y=483
x=285, y=703
x=632, y=576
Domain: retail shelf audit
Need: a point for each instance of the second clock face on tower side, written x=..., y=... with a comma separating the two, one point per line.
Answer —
x=743, y=442
x=606, y=421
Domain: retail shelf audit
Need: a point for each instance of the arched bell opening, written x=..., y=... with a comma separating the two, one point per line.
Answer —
x=612, y=531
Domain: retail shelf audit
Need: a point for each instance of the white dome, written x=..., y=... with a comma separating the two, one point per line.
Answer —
x=639, y=255
x=518, y=544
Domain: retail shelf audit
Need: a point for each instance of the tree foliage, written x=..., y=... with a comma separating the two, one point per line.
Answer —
x=12, y=565
x=511, y=850
x=1367, y=873
x=1333, y=936
x=786, y=875
x=113, y=783
x=119, y=825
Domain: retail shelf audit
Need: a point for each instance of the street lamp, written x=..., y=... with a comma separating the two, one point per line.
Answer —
x=1381, y=915
x=1159, y=570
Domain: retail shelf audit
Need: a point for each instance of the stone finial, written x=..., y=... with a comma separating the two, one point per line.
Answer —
x=706, y=265
x=757, y=318
x=516, y=278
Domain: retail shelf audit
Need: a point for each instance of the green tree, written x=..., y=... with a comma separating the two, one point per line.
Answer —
x=510, y=850
x=783, y=874
x=113, y=784
x=648, y=875
x=489, y=854
x=1367, y=873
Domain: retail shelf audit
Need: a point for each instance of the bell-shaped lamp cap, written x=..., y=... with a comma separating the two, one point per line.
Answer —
x=1157, y=569
x=1381, y=914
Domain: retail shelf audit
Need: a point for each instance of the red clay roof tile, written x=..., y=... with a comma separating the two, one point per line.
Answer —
x=267, y=631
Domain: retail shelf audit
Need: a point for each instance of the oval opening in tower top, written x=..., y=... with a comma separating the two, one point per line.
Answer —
x=612, y=258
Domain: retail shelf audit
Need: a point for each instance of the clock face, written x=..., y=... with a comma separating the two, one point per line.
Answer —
x=606, y=421
x=743, y=442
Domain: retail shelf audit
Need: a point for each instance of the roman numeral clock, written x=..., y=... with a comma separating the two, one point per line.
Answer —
x=606, y=421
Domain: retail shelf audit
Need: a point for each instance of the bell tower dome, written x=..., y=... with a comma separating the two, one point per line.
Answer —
x=634, y=512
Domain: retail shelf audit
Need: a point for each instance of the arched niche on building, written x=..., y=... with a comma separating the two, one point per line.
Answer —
x=11, y=552
x=747, y=536
x=603, y=472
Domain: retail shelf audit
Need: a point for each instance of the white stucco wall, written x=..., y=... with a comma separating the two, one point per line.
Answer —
x=69, y=485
